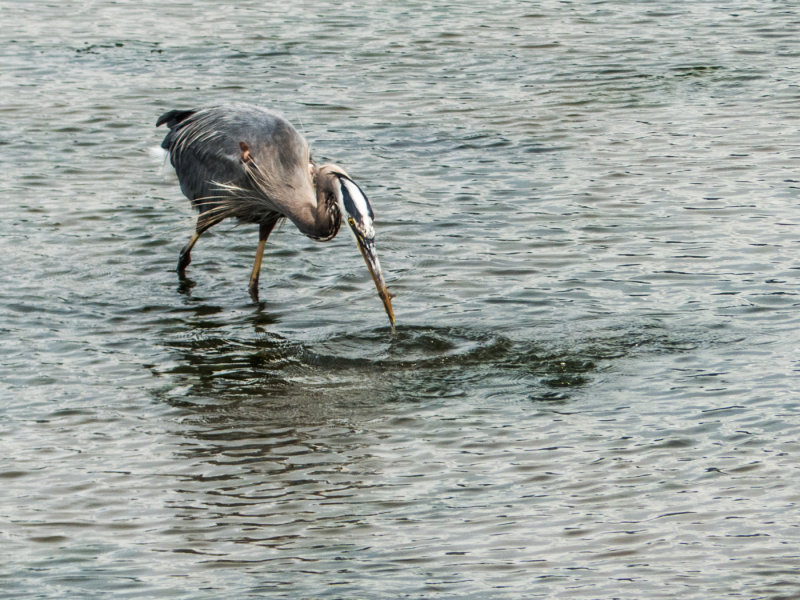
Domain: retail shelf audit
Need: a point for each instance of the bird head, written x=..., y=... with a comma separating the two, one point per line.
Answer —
x=355, y=207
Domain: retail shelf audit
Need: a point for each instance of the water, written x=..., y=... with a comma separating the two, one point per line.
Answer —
x=589, y=214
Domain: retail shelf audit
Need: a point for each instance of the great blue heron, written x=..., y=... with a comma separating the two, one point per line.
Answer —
x=247, y=162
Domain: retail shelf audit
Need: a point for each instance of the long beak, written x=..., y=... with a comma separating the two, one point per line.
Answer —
x=367, y=247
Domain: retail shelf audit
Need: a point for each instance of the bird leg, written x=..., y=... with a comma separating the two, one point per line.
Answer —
x=185, y=257
x=186, y=253
x=263, y=233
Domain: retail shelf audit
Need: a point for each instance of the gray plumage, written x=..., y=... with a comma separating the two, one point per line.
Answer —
x=205, y=148
x=246, y=162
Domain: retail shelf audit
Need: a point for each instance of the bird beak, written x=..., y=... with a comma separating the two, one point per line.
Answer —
x=361, y=219
x=367, y=247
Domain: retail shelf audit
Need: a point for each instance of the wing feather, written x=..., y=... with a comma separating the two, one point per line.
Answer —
x=205, y=149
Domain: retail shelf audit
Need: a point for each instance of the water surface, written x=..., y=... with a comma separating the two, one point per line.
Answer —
x=589, y=214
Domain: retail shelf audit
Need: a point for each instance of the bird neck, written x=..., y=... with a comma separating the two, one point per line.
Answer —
x=328, y=217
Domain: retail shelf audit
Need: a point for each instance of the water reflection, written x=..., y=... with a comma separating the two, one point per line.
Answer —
x=185, y=285
x=218, y=366
x=303, y=454
x=373, y=363
x=590, y=214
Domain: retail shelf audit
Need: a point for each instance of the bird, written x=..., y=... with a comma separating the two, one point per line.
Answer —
x=247, y=162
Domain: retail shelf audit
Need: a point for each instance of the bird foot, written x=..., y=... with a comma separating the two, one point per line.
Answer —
x=253, y=289
x=183, y=261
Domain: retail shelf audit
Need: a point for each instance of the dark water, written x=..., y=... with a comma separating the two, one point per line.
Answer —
x=590, y=216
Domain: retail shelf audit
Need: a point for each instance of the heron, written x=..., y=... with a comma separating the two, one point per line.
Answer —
x=249, y=163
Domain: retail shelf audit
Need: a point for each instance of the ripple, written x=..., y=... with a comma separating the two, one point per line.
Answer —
x=410, y=347
x=415, y=363
x=588, y=213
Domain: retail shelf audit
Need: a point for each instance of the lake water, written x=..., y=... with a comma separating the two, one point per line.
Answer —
x=589, y=213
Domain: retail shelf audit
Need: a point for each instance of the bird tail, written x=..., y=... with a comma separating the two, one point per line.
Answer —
x=173, y=117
